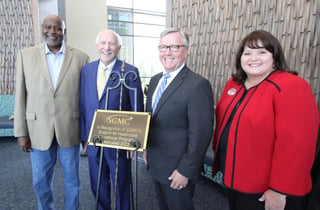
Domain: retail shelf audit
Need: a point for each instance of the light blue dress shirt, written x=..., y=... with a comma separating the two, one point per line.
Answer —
x=54, y=63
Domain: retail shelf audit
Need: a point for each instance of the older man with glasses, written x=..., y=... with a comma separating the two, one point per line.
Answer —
x=181, y=103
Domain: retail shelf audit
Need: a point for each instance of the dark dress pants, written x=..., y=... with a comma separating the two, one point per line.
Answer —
x=171, y=199
x=244, y=201
x=314, y=197
x=109, y=178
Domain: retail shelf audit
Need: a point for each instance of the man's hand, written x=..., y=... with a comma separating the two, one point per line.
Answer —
x=273, y=200
x=178, y=180
x=24, y=143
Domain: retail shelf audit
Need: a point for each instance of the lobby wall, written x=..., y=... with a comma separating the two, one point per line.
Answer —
x=216, y=27
x=20, y=22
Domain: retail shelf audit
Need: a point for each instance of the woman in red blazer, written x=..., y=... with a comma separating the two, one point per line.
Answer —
x=266, y=129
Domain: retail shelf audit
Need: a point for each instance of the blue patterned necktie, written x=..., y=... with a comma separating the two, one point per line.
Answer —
x=160, y=91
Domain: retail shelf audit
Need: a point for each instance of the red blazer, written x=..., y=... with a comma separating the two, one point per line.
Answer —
x=272, y=138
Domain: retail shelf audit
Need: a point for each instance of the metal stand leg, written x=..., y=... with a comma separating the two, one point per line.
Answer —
x=99, y=178
x=116, y=180
x=135, y=176
x=131, y=186
x=136, y=144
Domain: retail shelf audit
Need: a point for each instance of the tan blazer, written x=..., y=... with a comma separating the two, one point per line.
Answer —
x=40, y=111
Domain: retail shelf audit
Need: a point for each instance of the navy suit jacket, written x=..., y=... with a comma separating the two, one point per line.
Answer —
x=89, y=101
x=181, y=127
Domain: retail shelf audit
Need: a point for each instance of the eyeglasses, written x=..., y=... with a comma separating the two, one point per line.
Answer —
x=49, y=27
x=172, y=48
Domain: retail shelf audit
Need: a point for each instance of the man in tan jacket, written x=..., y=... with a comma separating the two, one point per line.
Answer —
x=46, y=111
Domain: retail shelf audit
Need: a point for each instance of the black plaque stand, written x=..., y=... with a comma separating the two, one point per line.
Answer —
x=135, y=143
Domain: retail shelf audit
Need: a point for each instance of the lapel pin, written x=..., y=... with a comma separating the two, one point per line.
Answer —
x=231, y=91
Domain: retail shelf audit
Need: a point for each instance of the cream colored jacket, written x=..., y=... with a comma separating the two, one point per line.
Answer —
x=40, y=111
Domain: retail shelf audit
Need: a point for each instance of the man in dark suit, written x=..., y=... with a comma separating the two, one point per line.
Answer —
x=181, y=124
x=93, y=97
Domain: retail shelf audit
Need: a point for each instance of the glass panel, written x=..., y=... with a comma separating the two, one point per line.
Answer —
x=146, y=55
x=148, y=30
x=150, y=5
x=122, y=28
x=119, y=15
x=151, y=19
x=120, y=3
x=146, y=58
x=126, y=49
x=139, y=23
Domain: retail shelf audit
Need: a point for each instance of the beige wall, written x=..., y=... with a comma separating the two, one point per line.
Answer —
x=84, y=19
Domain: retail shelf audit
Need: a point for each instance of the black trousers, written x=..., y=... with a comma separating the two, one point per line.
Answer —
x=244, y=201
x=314, y=197
x=171, y=199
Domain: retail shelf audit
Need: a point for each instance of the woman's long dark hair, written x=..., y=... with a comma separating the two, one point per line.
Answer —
x=270, y=43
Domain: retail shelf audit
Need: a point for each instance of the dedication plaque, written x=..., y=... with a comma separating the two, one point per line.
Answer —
x=120, y=129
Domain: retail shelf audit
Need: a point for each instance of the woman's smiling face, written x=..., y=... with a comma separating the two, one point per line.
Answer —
x=257, y=63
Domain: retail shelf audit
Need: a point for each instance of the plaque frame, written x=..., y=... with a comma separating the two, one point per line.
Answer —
x=126, y=130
